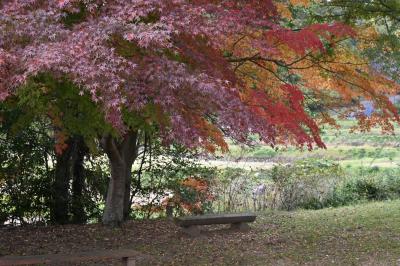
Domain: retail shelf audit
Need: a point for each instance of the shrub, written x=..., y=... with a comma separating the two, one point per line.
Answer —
x=316, y=184
x=308, y=184
x=305, y=184
x=170, y=177
x=233, y=190
x=363, y=185
x=193, y=196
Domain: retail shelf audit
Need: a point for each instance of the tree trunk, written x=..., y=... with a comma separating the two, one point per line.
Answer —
x=60, y=193
x=114, y=208
x=127, y=196
x=78, y=182
x=121, y=155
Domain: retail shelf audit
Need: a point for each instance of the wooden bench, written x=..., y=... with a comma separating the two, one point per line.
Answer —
x=237, y=221
x=129, y=257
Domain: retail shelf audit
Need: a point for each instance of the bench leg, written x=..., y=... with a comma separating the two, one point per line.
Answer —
x=128, y=262
x=192, y=230
x=240, y=226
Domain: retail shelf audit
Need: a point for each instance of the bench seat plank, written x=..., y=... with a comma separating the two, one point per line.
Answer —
x=76, y=257
x=208, y=219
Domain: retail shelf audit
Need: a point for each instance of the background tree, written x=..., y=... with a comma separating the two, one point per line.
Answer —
x=55, y=110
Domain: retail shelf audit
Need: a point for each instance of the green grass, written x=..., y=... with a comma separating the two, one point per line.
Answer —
x=351, y=150
x=366, y=234
x=344, y=137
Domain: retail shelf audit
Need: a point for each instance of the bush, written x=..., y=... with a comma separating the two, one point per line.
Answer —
x=170, y=177
x=374, y=184
x=316, y=184
x=308, y=184
x=305, y=184
x=25, y=175
x=233, y=189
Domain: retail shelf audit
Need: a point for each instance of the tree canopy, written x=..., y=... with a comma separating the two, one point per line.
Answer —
x=195, y=68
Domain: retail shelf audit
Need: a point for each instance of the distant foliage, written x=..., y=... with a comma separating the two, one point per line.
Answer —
x=365, y=185
x=305, y=184
x=27, y=174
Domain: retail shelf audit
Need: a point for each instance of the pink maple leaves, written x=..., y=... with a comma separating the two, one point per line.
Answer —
x=7, y=64
x=172, y=60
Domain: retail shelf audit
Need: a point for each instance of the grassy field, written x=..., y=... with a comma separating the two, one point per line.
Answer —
x=351, y=150
x=366, y=234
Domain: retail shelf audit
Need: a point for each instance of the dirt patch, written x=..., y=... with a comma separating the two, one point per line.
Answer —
x=161, y=238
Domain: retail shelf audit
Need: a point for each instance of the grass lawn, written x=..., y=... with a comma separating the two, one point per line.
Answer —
x=366, y=234
x=361, y=234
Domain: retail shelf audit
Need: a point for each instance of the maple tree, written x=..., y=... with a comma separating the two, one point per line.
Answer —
x=380, y=23
x=198, y=71
x=342, y=76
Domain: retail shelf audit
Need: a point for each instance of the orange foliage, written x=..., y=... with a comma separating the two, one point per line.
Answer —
x=283, y=7
x=300, y=2
x=283, y=10
x=60, y=135
x=196, y=184
x=202, y=195
x=340, y=77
